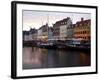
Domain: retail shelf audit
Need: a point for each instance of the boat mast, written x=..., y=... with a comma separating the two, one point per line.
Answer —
x=48, y=26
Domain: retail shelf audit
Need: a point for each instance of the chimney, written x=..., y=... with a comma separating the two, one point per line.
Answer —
x=82, y=19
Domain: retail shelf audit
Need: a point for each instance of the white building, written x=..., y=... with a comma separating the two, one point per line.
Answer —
x=64, y=32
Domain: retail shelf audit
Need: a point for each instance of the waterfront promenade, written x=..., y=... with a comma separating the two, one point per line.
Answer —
x=58, y=44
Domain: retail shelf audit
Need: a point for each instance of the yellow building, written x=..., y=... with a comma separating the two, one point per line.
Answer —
x=82, y=30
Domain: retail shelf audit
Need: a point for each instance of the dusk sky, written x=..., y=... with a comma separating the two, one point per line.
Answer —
x=35, y=19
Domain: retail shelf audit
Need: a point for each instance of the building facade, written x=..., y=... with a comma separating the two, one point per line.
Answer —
x=62, y=29
x=25, y=35
x=45, y=32
x=30, y=35
x=56, y=30
x=39, y=34
x=70, y=29
x=82, y=29
x=50, y=33
x=33, y=34
x=66, y=29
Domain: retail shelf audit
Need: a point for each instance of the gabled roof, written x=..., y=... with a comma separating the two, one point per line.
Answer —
x=83, y=22
x=60, y=21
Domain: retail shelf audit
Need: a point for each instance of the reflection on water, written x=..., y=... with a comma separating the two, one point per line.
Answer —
x=34, y=57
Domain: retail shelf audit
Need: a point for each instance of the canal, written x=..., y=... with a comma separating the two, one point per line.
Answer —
x=34, y=57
